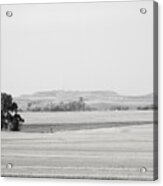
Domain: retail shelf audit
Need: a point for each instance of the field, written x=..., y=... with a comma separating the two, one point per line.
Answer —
x=100, y=145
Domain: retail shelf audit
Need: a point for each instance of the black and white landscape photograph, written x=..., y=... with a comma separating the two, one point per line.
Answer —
x=77, y=91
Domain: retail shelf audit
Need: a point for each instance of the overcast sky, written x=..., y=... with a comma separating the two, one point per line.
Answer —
x=96, y=46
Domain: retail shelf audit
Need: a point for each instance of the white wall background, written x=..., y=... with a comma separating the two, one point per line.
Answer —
x=69, y=182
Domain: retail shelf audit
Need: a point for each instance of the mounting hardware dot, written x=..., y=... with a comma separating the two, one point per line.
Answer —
x=9, y=14
x=143, y=10
x=143, y=169
x=9, y=166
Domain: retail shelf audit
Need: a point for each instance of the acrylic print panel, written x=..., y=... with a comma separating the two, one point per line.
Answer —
x=77, y=90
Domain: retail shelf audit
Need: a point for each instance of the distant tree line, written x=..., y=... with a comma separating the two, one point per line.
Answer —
x=78, y=105
x=149, y=107
x=121, y=107
x=10, y=119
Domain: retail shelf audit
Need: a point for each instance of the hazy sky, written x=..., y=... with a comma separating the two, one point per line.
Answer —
x=96, y=46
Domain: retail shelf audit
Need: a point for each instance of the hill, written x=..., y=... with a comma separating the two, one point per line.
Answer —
x=98, y=100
